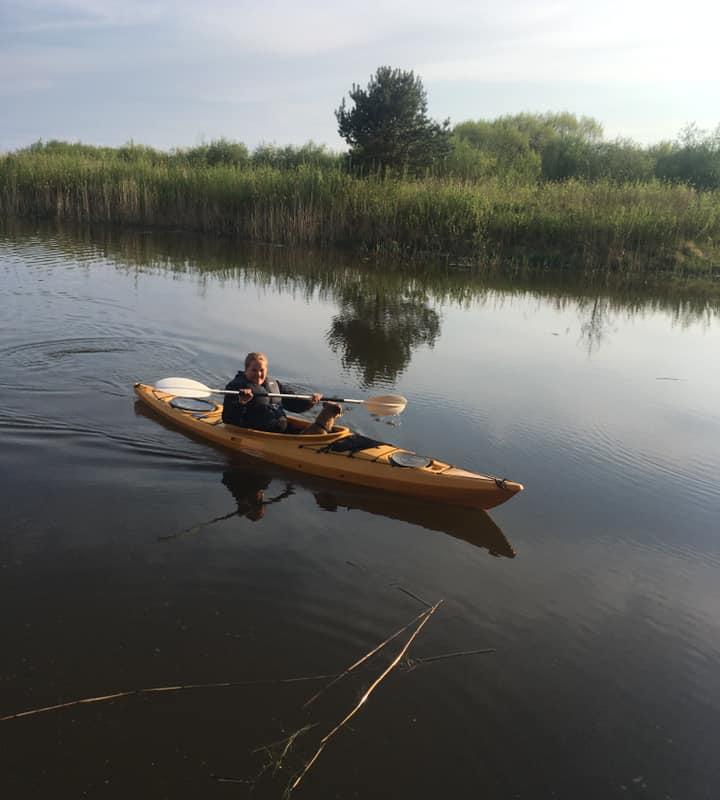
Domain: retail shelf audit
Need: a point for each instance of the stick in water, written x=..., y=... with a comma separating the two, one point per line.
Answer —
x=365, y=658
x=364, y=698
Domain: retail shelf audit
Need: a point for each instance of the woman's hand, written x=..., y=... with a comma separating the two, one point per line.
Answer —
x=244, y=396
x=316, y=398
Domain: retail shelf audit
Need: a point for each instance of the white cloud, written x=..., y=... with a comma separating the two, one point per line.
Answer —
x=256, y=58
x=612, y=42
x=633, y=65
x=39, y=16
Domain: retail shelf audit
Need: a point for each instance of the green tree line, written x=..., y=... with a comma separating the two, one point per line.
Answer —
x=523, y=188
x=557, y=147
x=521, y=148
x=389, y=133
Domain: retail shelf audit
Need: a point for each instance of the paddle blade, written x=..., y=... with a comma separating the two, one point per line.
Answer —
x=183, y=387
x=386, y=405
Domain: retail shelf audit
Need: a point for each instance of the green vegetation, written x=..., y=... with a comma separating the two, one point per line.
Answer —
x=528, y=189
x=557, y=147
x=388, y=127
x=596, y=224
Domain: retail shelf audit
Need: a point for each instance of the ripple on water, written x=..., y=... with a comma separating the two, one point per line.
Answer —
x=646, y=467
x=649, y=466
x=22, y=427
x=105, y=364
x=37, y=253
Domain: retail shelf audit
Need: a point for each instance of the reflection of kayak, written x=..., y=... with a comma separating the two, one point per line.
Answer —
x=249, y=488
x=472, y=525
x=341, y=455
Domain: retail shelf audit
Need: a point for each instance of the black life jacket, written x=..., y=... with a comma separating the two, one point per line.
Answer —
x=269, y=387
x=262, y=412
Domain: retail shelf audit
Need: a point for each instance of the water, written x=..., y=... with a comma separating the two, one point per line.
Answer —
x=132, y=556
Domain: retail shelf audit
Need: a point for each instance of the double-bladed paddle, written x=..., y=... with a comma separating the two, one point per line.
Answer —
x=383, y=405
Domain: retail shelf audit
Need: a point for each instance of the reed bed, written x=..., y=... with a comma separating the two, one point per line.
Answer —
x=634, y=226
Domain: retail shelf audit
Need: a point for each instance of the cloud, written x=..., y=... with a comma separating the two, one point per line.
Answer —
x=254, y=59
x=27, y=17
x=631, y=65
x=615, y=43
x=456, y=40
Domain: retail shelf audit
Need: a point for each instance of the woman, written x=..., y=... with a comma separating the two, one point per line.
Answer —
x=252, y=408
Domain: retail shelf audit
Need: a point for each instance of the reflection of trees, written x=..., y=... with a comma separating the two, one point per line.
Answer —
x=376, y=333
x=596, y=326
x=383, y=304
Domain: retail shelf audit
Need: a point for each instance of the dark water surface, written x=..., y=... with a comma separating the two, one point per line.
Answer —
x=132, y=556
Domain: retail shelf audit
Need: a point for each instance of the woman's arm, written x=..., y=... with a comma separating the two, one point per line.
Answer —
x=296, y=405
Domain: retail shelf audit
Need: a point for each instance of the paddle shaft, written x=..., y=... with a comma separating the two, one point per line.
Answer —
x=385, y=405
x=296, y=396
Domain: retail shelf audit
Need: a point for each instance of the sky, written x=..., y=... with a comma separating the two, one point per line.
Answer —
x=178, y=73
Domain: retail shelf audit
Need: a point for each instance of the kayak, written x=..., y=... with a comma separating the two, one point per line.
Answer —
x=340, y=455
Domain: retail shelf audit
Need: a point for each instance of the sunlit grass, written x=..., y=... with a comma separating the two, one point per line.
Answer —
x=575, y=223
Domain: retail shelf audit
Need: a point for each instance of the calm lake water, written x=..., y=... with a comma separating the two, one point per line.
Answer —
x=132, y=556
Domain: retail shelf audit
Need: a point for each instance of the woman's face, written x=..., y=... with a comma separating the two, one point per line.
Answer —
x=256, y=372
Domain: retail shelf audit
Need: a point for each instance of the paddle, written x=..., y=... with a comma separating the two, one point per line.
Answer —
x=383, y=405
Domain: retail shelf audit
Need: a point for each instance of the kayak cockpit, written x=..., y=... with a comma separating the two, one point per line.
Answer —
x=296, y=425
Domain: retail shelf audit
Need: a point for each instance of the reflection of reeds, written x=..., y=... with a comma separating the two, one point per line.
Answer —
x=596, y=224
x=343, y=278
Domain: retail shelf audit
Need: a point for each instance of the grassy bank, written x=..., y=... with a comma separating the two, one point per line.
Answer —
x=597, y=224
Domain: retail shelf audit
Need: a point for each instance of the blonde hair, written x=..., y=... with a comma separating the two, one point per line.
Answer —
x=250, y=357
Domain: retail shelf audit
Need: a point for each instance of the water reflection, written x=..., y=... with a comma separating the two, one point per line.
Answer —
x=606, y=627
x=386, y=310
x=596, y=323
x=470, y=525
x=376, y=332
x=250, y=490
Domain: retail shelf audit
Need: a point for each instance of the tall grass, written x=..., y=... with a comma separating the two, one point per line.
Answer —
x=590, y=224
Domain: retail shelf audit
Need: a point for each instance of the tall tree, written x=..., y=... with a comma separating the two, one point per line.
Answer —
x=388, y=126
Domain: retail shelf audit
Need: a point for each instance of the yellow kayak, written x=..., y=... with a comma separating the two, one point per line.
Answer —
x=339, y=455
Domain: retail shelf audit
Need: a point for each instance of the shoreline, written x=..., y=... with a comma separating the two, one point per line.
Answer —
x=580, y=225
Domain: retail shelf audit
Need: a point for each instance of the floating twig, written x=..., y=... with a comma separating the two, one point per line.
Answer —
x=229, y=684
x=158, y=689
x=428, y=659
x=426, y=616
x=362, y=660
x=196, y=528
x=413, y=663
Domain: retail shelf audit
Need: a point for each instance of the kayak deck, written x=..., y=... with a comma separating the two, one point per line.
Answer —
x=339, y=455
